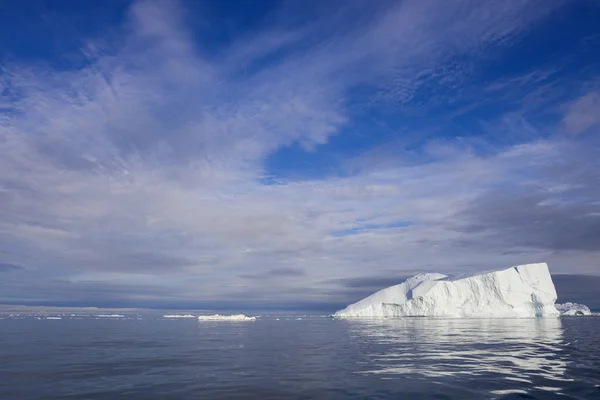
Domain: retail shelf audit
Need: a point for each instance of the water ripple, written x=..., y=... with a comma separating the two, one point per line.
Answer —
x=281, y=356
x=522, y=351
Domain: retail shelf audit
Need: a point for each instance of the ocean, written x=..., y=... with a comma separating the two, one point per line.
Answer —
x=298, y=356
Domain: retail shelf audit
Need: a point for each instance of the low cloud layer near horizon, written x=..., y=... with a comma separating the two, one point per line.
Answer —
x=180, y=153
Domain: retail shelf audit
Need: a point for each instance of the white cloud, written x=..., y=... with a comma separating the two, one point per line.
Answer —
x=145, y=165
x=583, y=113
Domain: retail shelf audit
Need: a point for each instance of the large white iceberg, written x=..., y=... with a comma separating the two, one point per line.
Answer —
x=217, y=317
x=573, y=309
x=521, y=291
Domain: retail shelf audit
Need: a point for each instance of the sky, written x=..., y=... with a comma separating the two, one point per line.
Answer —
x=293, y=154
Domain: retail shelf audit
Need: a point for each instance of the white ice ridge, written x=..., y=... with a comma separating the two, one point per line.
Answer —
x=217, y=317
x=573, y=309
x=521, y=291
x=179, y=316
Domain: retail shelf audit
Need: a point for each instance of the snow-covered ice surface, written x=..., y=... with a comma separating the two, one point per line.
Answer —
x=573, y=309
x=217, y=317
x=176, y=316
x=522, y=291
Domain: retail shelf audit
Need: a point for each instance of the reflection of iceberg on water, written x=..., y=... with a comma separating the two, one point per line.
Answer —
x=521, y=291
x=217, y=317
x=516, y=350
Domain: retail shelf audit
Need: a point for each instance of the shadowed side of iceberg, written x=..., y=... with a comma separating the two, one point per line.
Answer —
x=523, y=291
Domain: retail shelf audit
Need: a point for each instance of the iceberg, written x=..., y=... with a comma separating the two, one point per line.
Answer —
x=179, y=316
x=523, y=291
x=569, y=309
x=217, y=317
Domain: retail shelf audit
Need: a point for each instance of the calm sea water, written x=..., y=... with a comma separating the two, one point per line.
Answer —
x=299, y=357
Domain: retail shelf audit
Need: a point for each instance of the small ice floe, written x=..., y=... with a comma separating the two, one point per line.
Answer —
x=176, y=316
x=217, y=317
x=53, y=317
x=110, y=316
x=572, y=309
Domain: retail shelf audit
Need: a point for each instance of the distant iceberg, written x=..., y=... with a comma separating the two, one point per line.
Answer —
x=568, y=309
x=522, y=291
x=109, y=316
x=179, y=316
x=217, y=317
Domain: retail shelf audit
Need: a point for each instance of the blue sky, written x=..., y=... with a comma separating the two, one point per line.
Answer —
x=275, y=153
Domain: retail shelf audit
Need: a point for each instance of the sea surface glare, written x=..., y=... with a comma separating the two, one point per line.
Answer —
x=296, y=356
